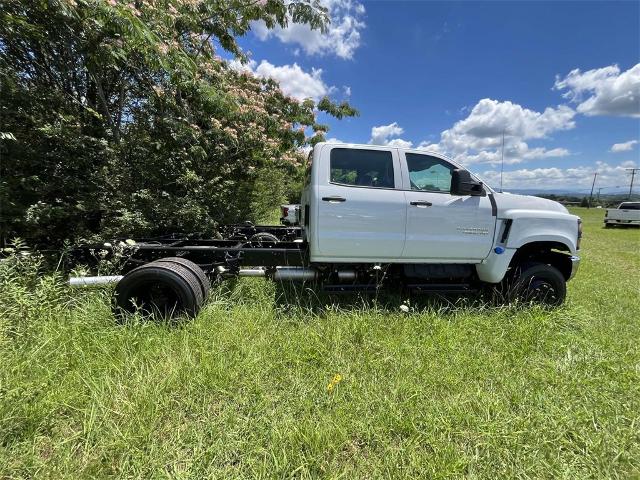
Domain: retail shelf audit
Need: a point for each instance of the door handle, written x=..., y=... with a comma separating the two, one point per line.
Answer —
x=421, y=203
x=334, y=199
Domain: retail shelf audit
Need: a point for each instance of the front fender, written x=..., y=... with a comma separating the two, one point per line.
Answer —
x=540, y=226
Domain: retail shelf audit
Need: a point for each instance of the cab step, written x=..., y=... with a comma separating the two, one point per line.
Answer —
x=441, y=288
x=339, y=288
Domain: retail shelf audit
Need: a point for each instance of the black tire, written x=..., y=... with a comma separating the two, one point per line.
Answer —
x=164, y=289
x=194, y=268
x=607, y=225
x=538, y=283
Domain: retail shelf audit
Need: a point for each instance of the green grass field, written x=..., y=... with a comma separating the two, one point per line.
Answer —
x=243, y=390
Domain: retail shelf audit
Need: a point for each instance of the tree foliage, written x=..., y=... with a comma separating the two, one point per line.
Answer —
x=119, y=117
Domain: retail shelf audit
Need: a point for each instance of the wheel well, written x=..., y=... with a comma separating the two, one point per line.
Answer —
x=555, y=254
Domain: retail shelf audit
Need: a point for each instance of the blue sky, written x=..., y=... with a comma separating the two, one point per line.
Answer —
x=561, y=79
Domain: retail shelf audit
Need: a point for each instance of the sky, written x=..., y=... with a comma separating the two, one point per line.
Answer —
x=560, y=80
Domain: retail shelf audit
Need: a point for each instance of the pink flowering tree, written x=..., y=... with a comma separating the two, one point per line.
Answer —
x=119, y=118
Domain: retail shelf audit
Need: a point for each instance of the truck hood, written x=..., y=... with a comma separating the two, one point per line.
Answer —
x=509, y=201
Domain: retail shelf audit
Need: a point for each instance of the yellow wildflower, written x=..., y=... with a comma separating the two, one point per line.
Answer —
x=337, y=378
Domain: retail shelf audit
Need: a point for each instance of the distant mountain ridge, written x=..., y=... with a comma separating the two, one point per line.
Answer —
x=567, y=191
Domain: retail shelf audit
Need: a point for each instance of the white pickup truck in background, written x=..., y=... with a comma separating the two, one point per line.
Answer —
x=627, y=213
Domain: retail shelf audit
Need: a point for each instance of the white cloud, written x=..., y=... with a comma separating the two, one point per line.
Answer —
x=623, y=147
x=478, y=137
x=293, y=81
x=425, y=145
x=489, y=118
x=341, y=38
x=242, y=67
x=382, y=136
x=575, y=177
x=603, y=91
x=400, y=143
x=514, y=153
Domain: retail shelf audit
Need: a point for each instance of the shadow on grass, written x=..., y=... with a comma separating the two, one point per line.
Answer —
x=296, y=299
x=300, y=302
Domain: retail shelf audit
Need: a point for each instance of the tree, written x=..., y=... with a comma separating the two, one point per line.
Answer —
x=119, y=117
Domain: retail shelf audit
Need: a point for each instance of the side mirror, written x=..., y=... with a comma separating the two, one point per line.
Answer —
x=463, y=184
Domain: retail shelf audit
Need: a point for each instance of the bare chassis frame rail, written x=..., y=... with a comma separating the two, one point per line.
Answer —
x=237, y=246
x=269, y=251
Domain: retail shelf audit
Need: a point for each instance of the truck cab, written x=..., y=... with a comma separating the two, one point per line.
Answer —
x=366, y=204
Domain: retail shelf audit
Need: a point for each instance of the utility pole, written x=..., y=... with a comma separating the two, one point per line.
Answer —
x=633, y=174
x=595, y=175
x=602, y=188
x=502, y=162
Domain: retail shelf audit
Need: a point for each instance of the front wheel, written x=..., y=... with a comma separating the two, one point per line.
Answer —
x=538, y=283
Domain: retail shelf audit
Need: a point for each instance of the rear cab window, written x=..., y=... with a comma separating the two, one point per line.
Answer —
x=362, y=168
x=629, y=206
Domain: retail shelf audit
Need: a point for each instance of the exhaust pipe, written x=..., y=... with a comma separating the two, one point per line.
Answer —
x=86, y=281
x=252, y=272
x=294, y=274
x=243, y=272
x=347, y=275
x=298, y=274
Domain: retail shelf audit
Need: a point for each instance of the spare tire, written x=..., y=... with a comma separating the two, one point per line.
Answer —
x=194, y=268
x=157, y=288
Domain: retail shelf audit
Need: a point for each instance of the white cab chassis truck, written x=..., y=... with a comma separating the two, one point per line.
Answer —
x=370, y=217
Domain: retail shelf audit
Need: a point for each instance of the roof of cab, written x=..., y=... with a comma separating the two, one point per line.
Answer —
x=391, y=147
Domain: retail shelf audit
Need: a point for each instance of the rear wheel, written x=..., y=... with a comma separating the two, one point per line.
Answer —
x=194, y=268
x=538, y=283
x=157, y=288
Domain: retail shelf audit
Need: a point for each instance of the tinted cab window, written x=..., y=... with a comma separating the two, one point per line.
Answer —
x=362, y=168
x=630, y=206
x=429, y=173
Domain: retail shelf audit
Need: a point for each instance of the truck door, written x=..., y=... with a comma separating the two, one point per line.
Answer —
x=441, y=226
x=361, y=206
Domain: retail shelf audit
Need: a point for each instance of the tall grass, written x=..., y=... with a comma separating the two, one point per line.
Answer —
x=249, y=388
